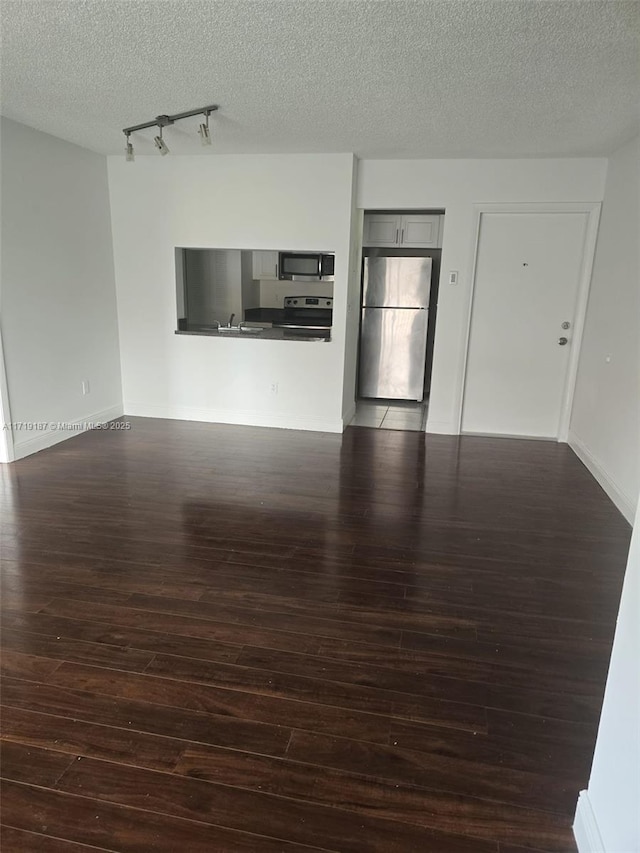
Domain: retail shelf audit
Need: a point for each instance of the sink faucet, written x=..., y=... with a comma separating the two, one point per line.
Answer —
x=230, y=323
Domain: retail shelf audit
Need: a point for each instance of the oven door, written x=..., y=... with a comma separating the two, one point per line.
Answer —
x=312, y=319
x=299, y=319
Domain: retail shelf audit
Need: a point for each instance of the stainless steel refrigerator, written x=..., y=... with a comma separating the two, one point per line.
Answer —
x=393, y=335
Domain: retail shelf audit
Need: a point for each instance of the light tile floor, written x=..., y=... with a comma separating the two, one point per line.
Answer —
x=391, y=414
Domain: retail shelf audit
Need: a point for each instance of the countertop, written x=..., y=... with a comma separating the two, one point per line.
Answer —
x=266, y=334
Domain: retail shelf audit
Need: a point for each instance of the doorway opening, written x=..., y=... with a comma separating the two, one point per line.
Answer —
x=400, y=277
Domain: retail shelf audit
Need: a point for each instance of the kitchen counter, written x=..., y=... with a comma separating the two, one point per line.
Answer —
x=266, y=334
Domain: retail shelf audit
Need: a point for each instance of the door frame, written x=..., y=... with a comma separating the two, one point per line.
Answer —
x=592, y=209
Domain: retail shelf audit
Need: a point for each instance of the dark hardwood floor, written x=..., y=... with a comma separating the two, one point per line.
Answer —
x=221, y=638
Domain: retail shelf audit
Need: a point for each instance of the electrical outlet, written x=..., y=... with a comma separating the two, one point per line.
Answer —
x=85, y=386
x=274, y=387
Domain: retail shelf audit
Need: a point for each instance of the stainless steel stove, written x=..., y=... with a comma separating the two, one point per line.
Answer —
x=308, y=313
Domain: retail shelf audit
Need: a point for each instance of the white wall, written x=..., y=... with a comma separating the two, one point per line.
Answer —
x=245, y=202
x=456, y=185
x=58, y=299
x=608, y=816
x=250, y=287
x=605, y=422
x=214, y=285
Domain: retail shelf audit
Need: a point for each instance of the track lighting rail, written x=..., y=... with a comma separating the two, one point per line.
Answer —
x=164, y=120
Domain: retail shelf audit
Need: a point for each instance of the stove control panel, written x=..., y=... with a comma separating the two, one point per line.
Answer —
x=316, y=302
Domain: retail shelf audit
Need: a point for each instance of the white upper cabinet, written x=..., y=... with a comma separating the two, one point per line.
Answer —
x=381, y=229
x=421, y=230
x=410, y=230
x=265, y=266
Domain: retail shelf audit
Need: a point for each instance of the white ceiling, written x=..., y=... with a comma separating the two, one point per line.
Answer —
x=381, y=78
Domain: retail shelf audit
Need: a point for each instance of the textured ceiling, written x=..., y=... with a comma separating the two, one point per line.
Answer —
x=381, y=78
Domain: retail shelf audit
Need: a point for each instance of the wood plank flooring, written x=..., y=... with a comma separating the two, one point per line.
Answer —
x=221, y=638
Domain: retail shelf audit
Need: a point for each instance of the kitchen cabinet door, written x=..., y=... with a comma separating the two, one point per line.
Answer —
x=381, y=229
x=420, y=230
x=408, y=230
x=265, y=266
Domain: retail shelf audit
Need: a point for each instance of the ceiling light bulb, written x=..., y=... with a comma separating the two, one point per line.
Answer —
x=161, y=144
x=129, y=152
x=205, y=136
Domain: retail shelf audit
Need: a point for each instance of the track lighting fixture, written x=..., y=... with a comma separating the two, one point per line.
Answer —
x=164, y=121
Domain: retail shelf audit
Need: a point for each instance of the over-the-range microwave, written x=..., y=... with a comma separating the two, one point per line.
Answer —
x=305, y=266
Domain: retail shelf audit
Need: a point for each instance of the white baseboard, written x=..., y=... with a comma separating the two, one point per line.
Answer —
x=621, y=500
x=585, y=827
x=519, y=436
x=237, y=417
x=47, y=437
x=441, y=427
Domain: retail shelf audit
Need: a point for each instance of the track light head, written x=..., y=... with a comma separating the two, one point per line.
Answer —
x=129, y=152
x=161, y=145
x=203, y=130
x=205, y=135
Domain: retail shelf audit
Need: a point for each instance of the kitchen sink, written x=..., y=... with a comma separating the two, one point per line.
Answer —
x=245, y=330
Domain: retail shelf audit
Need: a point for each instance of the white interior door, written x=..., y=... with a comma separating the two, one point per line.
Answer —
x=526, y=285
